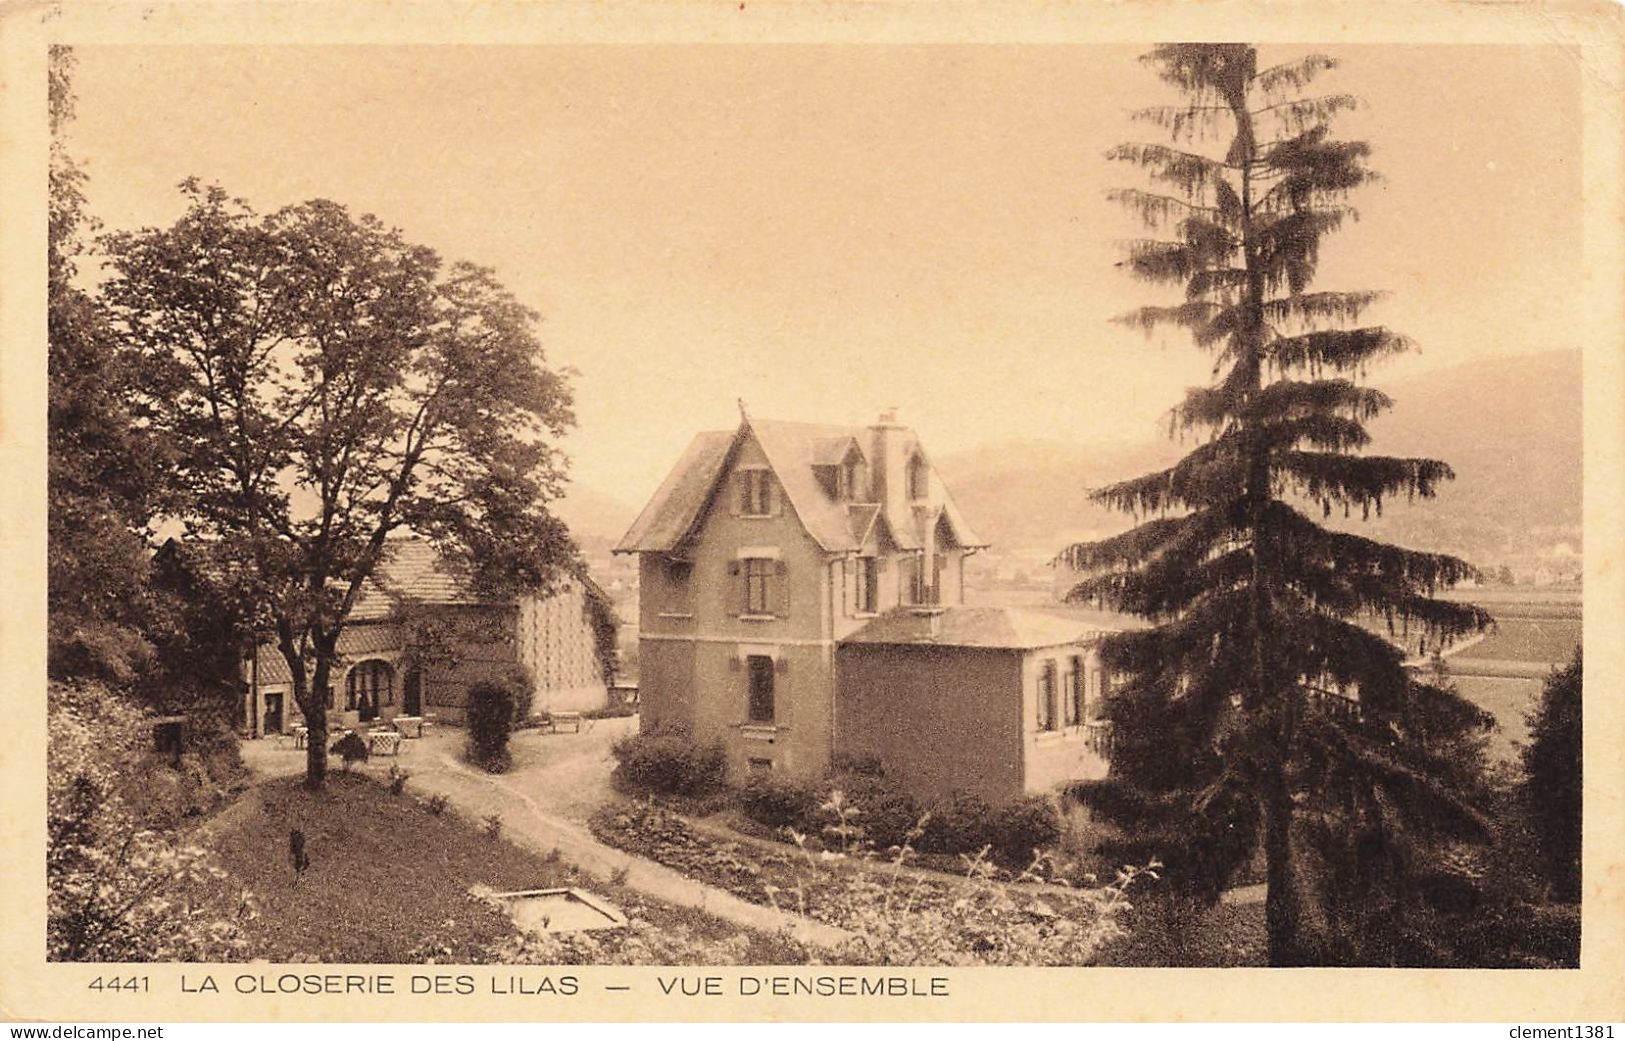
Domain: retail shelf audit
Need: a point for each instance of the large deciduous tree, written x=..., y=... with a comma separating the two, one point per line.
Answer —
x=1257, y=710
x=327, y=384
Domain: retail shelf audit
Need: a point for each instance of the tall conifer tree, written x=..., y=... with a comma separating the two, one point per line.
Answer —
x=1257, y=711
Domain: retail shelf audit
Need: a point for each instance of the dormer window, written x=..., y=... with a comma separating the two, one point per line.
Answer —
x=855, y=478
x=917, y=477
x=847, y=480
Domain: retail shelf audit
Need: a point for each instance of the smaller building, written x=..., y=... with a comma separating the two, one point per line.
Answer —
x=994, y=701
x=418, y=638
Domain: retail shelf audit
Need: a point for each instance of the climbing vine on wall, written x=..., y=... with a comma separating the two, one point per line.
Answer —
x=600, y=614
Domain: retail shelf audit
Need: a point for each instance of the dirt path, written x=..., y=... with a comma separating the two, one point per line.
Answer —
x=556, y=783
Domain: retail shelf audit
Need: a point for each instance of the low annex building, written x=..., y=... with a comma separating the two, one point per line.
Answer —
x=995, y=701
x=801, y=599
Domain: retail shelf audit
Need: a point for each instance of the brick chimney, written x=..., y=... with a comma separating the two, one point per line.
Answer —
x=888, y=464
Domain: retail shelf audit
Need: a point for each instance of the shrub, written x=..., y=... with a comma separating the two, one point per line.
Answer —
x=352, y=748
x=886, y=811
x=120, y=885
x=436, y=804
x=493, y=826
x=961, y=823
x=521, y=686
x=777, y=801
x=397, y=779
x=1021, y=826
x=490, y=722
x=845, y=763
x=669, y=762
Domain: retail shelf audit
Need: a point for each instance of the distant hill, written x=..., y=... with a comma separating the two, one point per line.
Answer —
x=1510, y=427
x=596, y=520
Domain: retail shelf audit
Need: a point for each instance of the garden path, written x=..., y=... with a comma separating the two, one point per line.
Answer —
x=556, y=783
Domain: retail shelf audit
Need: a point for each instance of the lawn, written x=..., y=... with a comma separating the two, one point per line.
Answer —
x=389, y=881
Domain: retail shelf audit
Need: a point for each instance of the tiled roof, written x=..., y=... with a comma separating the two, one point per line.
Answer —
x=860, y=518
x=356, y=641
x=832, y=451
x=792, y=450
x=681, y=497
x=1013, y=628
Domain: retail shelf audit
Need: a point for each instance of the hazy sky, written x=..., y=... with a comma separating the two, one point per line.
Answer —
x=827, y=231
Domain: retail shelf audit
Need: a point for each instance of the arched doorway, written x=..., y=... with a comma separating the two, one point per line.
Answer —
x=369, y=687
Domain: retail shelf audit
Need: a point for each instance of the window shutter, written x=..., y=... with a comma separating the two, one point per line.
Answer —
x=736, y=501
x=779, y=604
x=733, y=663
x=846, y=587
x=770, y=488
x=781, y=665
x=733, y=567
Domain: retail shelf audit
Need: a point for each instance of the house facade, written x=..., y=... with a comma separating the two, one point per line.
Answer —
x=796, y=583
x=419, y=638
x=765, y=546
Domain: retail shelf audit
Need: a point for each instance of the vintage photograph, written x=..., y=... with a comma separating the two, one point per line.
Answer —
x=948, y=504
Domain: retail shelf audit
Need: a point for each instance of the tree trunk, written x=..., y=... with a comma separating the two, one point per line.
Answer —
x=316, y=750
x=1281, y=912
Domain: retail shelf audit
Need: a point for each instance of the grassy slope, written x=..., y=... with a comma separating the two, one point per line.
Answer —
x=388, y=880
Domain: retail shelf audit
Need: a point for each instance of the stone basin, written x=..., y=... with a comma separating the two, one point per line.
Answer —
x=561, y=911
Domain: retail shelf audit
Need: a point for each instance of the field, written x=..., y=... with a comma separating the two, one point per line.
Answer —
x=1527, y=639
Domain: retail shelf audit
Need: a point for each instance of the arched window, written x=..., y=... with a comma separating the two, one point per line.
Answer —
x=369, y=687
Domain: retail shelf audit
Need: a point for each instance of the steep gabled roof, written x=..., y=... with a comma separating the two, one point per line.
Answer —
x=793, y=451
x=677, y=504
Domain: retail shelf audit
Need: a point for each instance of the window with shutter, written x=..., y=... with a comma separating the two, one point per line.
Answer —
x=866, y=584
x=760, y=669
x=1046, y=696
x=758, y=574
x=755, y=493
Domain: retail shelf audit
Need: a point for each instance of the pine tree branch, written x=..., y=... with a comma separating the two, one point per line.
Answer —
x=1158, y=210
x=1207, y=476
x=1189, y=315
x=1139, y=544
x=1293, y=75
x=1191, y=172
x=1332, y=306
x=1331, y=479
x=1341, y=350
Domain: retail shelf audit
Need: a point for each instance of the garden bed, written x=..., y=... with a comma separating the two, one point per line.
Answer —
x=898, y=916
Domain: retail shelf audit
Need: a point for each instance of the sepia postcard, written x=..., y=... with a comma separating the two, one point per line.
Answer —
x=776, y=511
